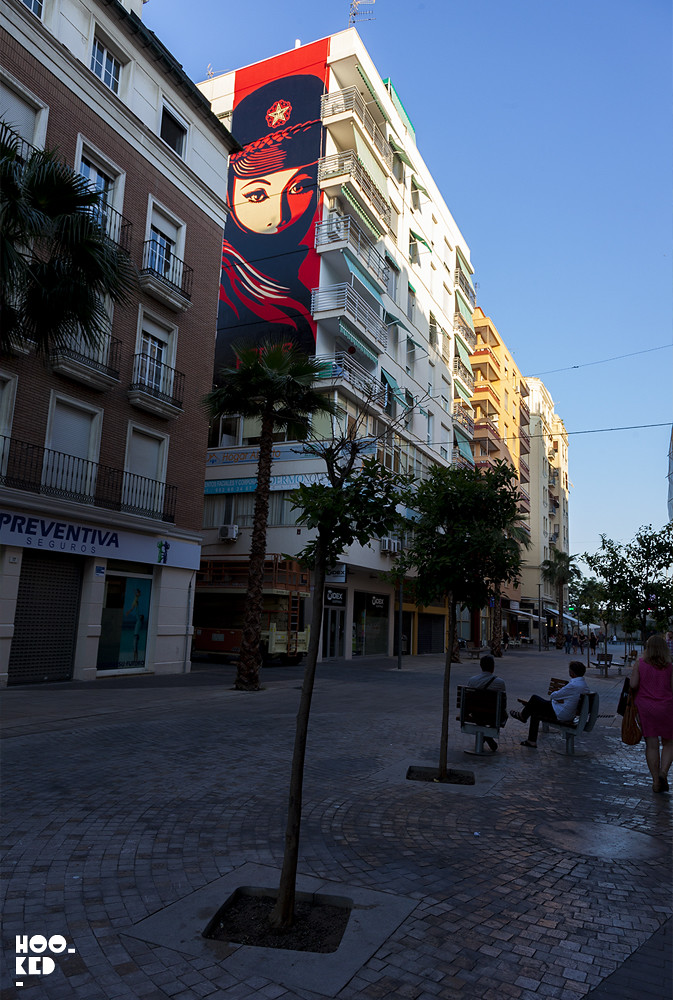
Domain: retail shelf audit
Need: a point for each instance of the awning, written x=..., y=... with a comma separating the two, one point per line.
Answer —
x=361, y=214
x=464, y=356
x=463, y=393
x=392, y=260
x=464, y=266
x=369, y=163
x=346, y=330
x=411, y=288
x=463, y=444
x=419, y=187
x=362, y=276
x=397, y=392
x=399, y=150
x=464, y=310
x=398, y=320
x=371, y=91
x=420, y=239
x=418, y=346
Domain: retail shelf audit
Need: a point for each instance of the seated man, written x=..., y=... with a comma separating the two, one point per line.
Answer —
x=487, y=679
x=561, y=708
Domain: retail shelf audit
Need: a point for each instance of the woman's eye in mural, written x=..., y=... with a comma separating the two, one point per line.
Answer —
x=256, y=196
x=273, y=202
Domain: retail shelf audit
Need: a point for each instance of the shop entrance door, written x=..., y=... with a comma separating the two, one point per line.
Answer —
x=333, y=633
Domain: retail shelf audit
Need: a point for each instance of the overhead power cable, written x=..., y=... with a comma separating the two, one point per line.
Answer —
x=589, y=364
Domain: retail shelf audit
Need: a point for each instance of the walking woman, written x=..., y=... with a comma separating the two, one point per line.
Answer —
x=652, y=688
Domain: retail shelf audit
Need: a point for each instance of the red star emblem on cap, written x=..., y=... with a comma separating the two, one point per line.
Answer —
x=278, y=113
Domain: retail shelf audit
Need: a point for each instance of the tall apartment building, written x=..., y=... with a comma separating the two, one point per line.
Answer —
x=501, y=432
x=101, y=452
x=550, y=490
x=338, y=237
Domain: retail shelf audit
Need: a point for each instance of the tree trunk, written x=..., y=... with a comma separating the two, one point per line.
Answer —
x=446, y=706
x=282, y=916
x=496, y=629
x=455, y=654
x=250, y=659
x=560, y=631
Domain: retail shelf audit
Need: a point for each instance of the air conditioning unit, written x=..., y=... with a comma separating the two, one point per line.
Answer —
x=228, y=532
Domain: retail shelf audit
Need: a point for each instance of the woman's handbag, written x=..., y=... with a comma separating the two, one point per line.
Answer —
x=631, y=729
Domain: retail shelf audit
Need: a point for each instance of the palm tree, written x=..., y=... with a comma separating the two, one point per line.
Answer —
x=558, y=571
x=272, y=382
x=57, y=265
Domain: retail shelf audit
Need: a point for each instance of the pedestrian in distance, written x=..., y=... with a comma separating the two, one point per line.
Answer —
x=568, y=641
x=505, y=639
x=669, y=642
x=575, y=642
x=487, y=679
x=562, y=707
x=651, y=684
x=592, y=643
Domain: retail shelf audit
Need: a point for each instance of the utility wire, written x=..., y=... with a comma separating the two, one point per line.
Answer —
x=589, y=364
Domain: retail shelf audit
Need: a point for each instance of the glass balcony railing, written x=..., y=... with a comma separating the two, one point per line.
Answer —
x=352, y=100
x=348, y=165
x=344, y=229
x=344, y=300
x=342, y=367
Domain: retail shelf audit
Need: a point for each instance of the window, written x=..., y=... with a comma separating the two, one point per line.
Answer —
x=155, y=353
x=411, y=304
x=393, y=278
x=164, y=246
x=7, y=396
x=414, y=255
x=411, y=356
x=173, y=132
x=35, y=6
x=431, y=429
x=398, y=169
x=224, y=432
x=144, y=472
x=73, y=434
x=218, y=510
x=18, y=113
x=161, y=251
x=106, y=66
x=432, y=331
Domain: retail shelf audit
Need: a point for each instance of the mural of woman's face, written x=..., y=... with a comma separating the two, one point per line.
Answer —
x=271, y=202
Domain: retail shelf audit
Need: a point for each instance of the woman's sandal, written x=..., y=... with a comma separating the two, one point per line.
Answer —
x=663, y=781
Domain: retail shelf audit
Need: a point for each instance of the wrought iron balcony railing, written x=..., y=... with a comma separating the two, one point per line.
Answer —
x=36, y=469
x=352, y=100
x=465, y=331
x=465, y=287
x=103, y=358
x=114, y=225
x=462, y=417
x=162, y=263
x=340, y=229
x=348, y=164
x=158, y=380
x=459, y=459
x=463, y=372
x=344, y=300
x=342, y=366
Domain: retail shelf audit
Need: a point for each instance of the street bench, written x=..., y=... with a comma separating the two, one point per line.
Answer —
x=584, y=721
x=475, y=652
x=603, y=661
x=482, y=713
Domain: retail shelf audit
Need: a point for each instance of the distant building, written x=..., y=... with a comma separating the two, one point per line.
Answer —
x=101, y=452
x=670, y=479
x=338, y=237
x=549, y=517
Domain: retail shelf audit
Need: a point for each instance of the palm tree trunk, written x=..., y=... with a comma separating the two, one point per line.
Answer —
x=446, y=705
x=496, y=631
x=250, y=659
x=282, y=916
x=560, y=631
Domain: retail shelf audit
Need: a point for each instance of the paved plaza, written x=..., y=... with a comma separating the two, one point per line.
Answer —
x=549, y=877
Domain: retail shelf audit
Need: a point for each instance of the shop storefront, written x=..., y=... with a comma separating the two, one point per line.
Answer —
x=334, y=623
x=371, y=616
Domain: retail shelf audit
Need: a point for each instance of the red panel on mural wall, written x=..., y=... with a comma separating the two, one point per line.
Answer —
x=269, y=265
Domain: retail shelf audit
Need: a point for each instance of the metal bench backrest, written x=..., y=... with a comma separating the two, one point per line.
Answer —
x=604, y=658
x=592, y=713
x=477, y=705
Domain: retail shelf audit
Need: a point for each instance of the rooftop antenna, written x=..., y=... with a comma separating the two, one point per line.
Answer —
x=210, y=72
x=356, y=15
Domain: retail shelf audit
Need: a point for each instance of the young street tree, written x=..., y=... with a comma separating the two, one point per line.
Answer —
x=649, y=566
x=609, y=564
x=356, y=502
x=57, y=265
x=273, y=383
x=557, y=571
x=463, y=548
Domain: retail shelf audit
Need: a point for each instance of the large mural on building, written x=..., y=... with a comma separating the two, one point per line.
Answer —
x=269, y=265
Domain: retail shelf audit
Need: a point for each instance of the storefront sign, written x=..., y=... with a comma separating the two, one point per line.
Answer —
x=79, y=538
x=336, y=574
x=213, y=486
x=378, y=603
x=245, y=456
x=335, y=598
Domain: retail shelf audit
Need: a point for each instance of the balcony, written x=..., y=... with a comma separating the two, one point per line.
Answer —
x=52, y=473
x=341, y=367
x=343, y=300
x=525, y=412
x=343, y=231
x=486, y=396
x=345, y=168
x=113, y=225
x=464, y=374
x=95, y=366
x=466, y=288
x=458, y=459
x=338, y=110
x=166, y=277
x=156, y=387
x=524, y=441
x=487, y=433
x=465, y=332
x=524, y=471
x=484, y=360
x=525, y=500
x=462, y=417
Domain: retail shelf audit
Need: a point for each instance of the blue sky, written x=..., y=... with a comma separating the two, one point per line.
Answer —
x=547, y=128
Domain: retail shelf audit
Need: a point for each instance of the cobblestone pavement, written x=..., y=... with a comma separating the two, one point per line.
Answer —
x=550, y=877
